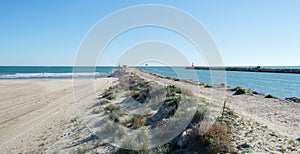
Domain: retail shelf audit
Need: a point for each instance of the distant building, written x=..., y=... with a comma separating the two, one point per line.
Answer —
x=192, y=65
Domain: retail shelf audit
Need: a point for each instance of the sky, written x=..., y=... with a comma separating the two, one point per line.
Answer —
x=246, y=32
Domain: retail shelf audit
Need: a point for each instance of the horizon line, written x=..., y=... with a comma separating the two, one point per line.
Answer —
x=254, y=65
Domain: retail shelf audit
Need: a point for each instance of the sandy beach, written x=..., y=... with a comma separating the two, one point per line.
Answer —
x=33, y=112
x=41, y=116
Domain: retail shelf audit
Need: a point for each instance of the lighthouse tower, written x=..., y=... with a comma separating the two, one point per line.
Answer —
x=192, y=65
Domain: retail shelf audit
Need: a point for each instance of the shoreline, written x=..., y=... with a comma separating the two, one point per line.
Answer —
x=267, y=83
x=293, y=99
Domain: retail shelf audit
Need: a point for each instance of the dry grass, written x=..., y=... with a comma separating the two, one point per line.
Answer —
x=215, y=140
x=138, y=121
x=95, y=111
x=134, y=94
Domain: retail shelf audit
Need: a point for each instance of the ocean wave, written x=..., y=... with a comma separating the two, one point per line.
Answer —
x=52, y=75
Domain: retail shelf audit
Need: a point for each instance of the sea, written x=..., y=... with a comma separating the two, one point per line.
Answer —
x=281, y=85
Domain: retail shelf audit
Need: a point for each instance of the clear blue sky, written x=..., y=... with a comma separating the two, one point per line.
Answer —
x=247, y=32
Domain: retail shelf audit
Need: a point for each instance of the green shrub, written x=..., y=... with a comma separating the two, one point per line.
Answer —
x=172, y=90
x=240, y=91
x=176, y=79
x=270, y=96
x=173, y=101
x=207, y=86
x=168, y=77
x=114, y=116
x=111, y=108
x=109, y=94
x=199, y=115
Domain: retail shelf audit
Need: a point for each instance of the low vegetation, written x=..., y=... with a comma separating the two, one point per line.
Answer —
x=164, y=101
x=109, y=94
x=138, y=121
x=114, y=116
x=110, y=108
x=134, y=94
x=95, y=111
x=82, y=150
x=199, y=115
x=215, y=140
x=172, y=90
x=208, y=86
x=240, y=91
x=270, y=96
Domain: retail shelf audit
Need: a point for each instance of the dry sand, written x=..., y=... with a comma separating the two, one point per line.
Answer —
x=33, y=112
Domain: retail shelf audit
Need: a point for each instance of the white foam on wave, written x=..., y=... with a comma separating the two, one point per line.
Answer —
x=52, y=75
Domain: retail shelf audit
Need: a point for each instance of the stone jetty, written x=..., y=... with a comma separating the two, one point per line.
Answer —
x=248, y=69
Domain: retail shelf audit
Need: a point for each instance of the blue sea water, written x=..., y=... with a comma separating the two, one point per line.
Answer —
x=278, y=84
